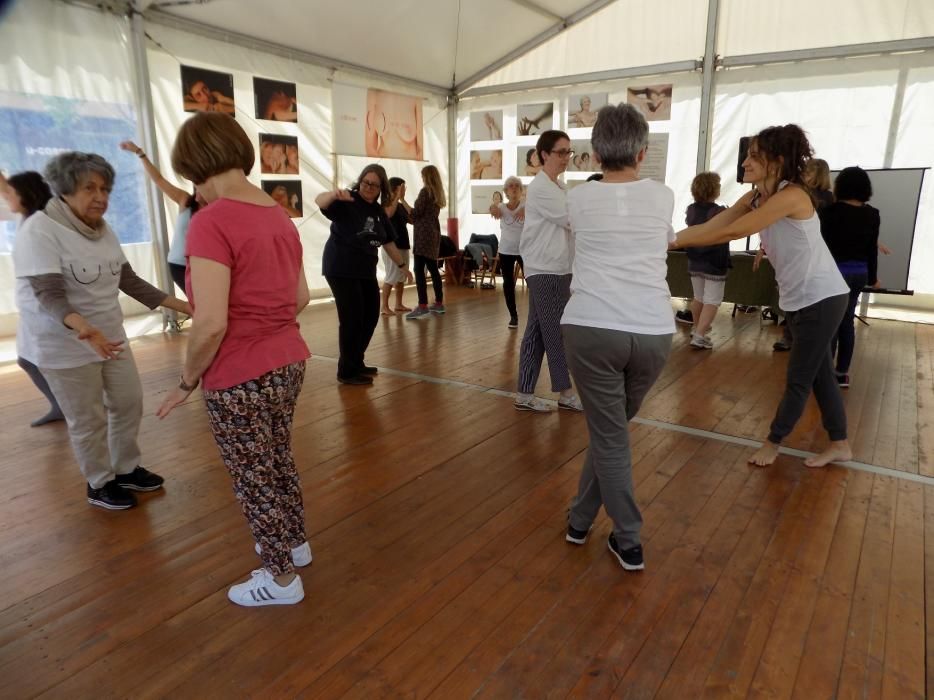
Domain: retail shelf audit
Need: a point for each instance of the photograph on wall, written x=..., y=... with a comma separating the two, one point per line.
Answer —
x=527, y=163
x=278, y=154
x=655, y=164
x=486, y=165
x=582, y=109
x=207, y=90
x=486, y=126
x=481, y=198
x=288, y=195
x=274, y=100
x=377, y=123
x=653, y=100
x=531, y=120
x=582, y=161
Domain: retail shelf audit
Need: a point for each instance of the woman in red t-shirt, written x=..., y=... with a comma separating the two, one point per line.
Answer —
x=246, y=283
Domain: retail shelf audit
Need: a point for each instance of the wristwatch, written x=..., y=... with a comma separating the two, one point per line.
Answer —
x=187, y=387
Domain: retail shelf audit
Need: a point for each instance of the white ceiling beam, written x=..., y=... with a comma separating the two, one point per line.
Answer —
x=581, y=78
x=242, y=40
x=532, y=43
x=535, y=7
x=846, y=51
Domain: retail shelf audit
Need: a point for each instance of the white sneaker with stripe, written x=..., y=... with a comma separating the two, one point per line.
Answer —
x=262, y=589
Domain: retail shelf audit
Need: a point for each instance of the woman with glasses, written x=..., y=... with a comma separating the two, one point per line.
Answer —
x=546, y=248
x=359, y=226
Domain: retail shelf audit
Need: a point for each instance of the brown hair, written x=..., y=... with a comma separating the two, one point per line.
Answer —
x=385, y=191
x=434, y=186
x=788, y=147
x=211, y=143
x=547, y=141
x=705, y=187
x=817, y=173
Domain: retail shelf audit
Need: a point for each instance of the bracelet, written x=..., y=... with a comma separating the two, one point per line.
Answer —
x=187, y=387
x=141, y=153
x=401, y=265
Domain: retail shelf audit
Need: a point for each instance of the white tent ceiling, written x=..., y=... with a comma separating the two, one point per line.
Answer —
x=437, y=43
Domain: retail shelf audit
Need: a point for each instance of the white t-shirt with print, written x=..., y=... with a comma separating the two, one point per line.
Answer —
x=91, y=270
x=621, y=234
x=510, y=228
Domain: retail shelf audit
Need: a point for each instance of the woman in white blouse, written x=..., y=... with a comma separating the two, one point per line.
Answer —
x=511, y=217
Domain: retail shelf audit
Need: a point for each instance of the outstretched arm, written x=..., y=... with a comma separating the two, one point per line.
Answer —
x=176, y=194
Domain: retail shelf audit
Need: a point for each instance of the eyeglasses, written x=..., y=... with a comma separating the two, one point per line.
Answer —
x=370, y=183
x=563, y=153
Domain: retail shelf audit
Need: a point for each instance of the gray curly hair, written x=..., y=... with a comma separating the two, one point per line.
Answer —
x=65, y=171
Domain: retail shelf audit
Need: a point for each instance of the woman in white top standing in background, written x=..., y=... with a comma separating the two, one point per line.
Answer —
x=511, y=216
x=617, y=327
x=810, y=287
x=546, y=248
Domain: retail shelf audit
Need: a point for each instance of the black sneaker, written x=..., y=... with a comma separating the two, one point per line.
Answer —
x=513, y=323
x=140, y=479
x=843, y=380
x=630, y=559
x=780, y=346
x=111, y=496
x=684, y=316
x=369, y=371
x=577, y=536
x=357, y=380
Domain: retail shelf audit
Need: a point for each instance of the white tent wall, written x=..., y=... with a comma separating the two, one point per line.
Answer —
x=314, y=128
x=624, y=33
x=682, y=129
x=846, y=108
x=53, y=53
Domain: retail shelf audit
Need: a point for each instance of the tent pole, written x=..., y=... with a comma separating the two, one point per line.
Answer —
x=452, y=156
x=709, y=72
x=147, y=129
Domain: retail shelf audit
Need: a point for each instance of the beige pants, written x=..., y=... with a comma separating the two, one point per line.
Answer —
x=103, y=404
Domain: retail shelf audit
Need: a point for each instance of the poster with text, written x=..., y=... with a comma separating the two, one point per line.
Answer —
x=486, y=126
x=377, y=123
x=288, y=195
x=533, y=119
x=278, y=154
x=274, y=100
x=582, y=109
x=653, y=100
x=207, y=90
x=482, y=197
x=655, y=164
x=486, y=165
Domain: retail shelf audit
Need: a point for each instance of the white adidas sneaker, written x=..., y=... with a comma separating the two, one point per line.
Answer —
x=262, y=589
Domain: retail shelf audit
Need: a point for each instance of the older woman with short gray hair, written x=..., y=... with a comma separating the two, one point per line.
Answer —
x=69, y=271
x=617, y=327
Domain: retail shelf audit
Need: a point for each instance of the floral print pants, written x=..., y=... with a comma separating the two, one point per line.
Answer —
x=252, y=425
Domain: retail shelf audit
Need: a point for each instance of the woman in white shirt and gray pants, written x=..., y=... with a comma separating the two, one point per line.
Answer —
x=617, y=326
x=547, y=249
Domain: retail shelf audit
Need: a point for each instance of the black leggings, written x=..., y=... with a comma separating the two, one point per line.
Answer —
x=810, y=368
x=421, y=283
x=507, y=266
x=357, y=313
x=178, y=275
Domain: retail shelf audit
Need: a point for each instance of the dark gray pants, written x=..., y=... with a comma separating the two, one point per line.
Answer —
x=810, y=367
x=612, y=371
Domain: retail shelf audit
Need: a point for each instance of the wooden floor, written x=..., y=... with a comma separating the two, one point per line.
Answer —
x=436, y=513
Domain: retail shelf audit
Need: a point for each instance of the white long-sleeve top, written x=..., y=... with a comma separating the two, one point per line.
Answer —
x=546, y=245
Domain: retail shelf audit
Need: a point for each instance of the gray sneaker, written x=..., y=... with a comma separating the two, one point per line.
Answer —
x=418, y=312
x=701, y=342
x=436, y=308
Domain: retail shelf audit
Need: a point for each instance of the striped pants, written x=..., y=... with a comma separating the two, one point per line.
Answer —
x=548, y=295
